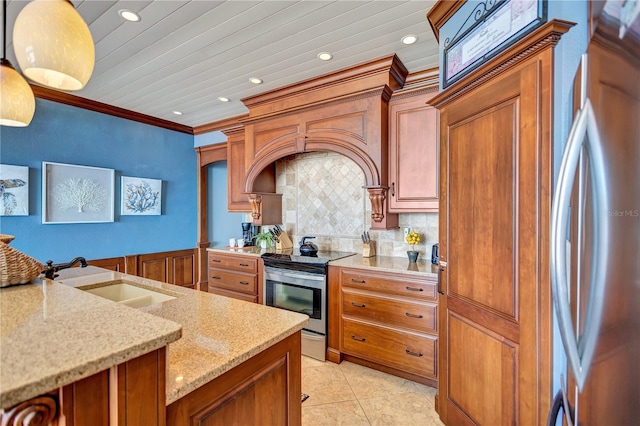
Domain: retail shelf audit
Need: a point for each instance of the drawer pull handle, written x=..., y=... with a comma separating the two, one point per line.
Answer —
x=358, y=305
x=353, y=280
x=413, y=353
x=414, y=289
x=244, y=283
x=412, y=315
x=216, y=277
x=359, y=339
x=216, y=260
x=244, y=264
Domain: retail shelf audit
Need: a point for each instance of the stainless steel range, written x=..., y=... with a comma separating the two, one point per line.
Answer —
x=299, y=283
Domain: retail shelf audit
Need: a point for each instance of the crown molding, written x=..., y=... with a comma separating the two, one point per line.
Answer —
x=79, y=102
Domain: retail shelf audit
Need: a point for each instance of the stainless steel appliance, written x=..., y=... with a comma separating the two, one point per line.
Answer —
x=595, y=229
x=298, y=283
x=249, y=232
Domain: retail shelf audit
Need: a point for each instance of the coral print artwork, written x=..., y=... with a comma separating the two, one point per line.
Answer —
x=14, y=190
x=77, y=194
x=141, y=196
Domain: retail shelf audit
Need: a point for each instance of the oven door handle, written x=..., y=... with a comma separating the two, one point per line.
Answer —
x=279, y=275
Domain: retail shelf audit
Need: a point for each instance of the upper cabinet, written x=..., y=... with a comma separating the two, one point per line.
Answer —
x=238, y=199
x=413, y=151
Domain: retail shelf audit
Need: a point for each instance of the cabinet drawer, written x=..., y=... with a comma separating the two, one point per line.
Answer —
x=412, y=286
x=239, y=263
x=420, y=316
x=405, y=351
x=233, y=294
x=236, y=281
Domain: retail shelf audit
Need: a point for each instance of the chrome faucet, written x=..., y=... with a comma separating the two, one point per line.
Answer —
x=51, y=269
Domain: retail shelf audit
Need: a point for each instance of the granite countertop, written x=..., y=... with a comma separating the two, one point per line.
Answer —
x=248, y=250
x=218, y=333
x=52, y=335
x=397, y=265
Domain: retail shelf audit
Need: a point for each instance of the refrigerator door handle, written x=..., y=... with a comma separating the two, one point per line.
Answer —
x=579, y=352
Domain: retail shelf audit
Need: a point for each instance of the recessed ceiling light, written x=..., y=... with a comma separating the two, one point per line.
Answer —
x=129, y=15
x=409, y=39
x=325, y=56
x=177, y=112
x=223, y=99
x=255, y=80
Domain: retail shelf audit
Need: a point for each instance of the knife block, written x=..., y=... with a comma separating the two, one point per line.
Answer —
x=369, y=249
x=284, y=242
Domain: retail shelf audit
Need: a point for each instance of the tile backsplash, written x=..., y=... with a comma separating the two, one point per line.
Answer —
x=324, y=196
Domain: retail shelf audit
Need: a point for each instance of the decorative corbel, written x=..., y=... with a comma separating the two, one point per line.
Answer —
x=255, y=200
x=377, y=196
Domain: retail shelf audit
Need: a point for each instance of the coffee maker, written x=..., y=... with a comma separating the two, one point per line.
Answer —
x=249, y=232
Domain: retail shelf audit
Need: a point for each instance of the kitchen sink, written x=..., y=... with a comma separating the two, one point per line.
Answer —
x=128, y=294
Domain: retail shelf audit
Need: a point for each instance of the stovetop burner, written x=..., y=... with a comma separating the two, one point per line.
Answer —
x=294, y=256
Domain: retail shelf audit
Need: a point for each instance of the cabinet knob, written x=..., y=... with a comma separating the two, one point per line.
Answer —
x=353, y=280
x=216, y=277
x=244, y=283
x=244, y=264
x=393, y=189
x=414, y=289
x=359, y=339
x=358, y=305
x=412, y=315
x=216, y=260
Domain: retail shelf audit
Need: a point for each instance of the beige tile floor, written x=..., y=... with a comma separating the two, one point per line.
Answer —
x=352, y=395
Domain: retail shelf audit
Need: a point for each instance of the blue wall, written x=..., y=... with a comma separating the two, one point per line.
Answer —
x=65, y=134
x=221, y=224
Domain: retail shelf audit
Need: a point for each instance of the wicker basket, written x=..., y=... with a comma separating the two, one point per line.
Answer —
x=15, y=266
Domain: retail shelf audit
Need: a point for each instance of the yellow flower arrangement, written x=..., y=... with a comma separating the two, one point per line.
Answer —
x=413, y=238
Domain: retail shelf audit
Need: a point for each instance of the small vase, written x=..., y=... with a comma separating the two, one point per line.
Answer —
x=413, y=255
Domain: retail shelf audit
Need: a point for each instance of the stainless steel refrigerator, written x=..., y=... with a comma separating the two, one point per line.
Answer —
x=595, y=235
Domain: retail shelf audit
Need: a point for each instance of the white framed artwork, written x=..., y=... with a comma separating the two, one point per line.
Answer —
x=77, y=194
x=14, y=190
x=141, y=196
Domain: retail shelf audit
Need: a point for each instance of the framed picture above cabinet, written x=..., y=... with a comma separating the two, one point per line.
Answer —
x=141, y=196
x=14, y=190
x=76, y=194
x=490, y=28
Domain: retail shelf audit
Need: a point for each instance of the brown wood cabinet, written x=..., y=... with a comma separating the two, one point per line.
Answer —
x=264, y=390
x=389, y=321
x=235, y=276
x=236, y=200
x=413, y=151
x=173, y=267
x=495, y=171
x=132, y=393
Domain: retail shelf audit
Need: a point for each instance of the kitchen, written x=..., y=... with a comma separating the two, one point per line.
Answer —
x=176, y=227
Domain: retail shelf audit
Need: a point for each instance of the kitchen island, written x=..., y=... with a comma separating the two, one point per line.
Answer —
x=54, y=335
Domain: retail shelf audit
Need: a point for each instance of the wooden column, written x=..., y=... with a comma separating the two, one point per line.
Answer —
x=207, y=155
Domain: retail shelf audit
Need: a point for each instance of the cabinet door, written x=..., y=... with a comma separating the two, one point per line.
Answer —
x=236, y=200
x=495, y=313
x=173, y=267
x=413, y=154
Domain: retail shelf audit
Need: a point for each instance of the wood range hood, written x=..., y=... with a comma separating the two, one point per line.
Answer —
x=345, y=112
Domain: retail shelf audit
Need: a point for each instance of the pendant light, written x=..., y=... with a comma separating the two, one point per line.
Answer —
x=17, y=103
x=53, y=45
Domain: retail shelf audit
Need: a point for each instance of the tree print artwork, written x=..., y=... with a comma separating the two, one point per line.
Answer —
x=83, y=194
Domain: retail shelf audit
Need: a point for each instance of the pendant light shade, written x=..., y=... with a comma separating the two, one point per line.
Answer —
x=53, y=45
x=17, y=103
